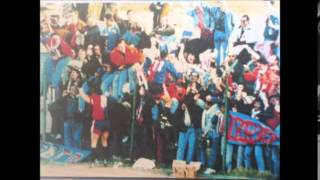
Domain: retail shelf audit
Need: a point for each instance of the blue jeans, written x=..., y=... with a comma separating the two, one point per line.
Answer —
x=155, y=112
x=44, y=60
x=273, y=159
x=106, y=82
x=120, y=78
x=73, y=133
x=276, y=160
x=221, y=43
x=49, y=69
x=258, y=153
x=201, y=148
x=132, y=79
x=59, y=70
x=186, y=139
x=229, y=154
x=214, y=147
x=86, y=89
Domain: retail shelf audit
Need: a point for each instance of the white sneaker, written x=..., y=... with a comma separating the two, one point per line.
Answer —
x=125, y=139
x=209, y=171
x=58, y=136
x=94, y=163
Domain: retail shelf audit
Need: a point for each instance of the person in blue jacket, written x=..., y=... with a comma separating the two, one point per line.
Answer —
x=222, y=23
x=110, y=32
x=158, y=72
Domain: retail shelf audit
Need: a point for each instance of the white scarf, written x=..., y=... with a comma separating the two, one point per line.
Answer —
x=187, y=119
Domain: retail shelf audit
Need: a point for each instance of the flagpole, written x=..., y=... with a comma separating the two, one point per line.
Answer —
x=132, y=123
x=224, y=138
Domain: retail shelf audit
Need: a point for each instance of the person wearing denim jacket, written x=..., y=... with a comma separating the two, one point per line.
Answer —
x=132, y=36
x=206, y=16
x=223, y=25
x=201, y=17
x=272, y=28
x=73, y=125
x=158, y=70
x=111, y=31
x=210, y=123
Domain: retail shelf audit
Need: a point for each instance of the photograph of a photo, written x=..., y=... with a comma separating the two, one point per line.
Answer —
x=160, y=89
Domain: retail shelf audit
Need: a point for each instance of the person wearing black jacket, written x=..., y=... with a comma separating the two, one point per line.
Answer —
x=119, y=115
x=92, y=64
x=190, y=115
x=156, y=8
x=143, y=124
x=258, y=113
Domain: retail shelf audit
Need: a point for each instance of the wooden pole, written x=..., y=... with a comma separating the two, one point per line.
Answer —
x=224, y=138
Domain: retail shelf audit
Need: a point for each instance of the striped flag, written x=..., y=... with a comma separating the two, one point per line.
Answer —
x=244, y=129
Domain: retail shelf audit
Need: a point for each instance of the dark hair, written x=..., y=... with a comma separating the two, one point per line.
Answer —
x=129, y=11
x=263, y=60
x=105, y=57
x=119, y=41
x=133, y=26
x=108, y=16
x=144, y=42
x=163, y=54
x=43, y=9
x=96, y=89
x=247, y=17
x=271, y=2
x=94, y=85
x=163, y=51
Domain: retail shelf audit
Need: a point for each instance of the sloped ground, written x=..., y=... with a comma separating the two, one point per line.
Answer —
x=83, y=170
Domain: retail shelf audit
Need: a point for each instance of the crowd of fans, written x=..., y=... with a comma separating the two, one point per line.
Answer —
x=101, y=72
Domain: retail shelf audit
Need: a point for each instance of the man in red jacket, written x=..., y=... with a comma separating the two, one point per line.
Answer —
x=123, y=57
x=59, y=48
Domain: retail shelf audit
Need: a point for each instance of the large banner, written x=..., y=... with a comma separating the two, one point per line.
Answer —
x=246, y=130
